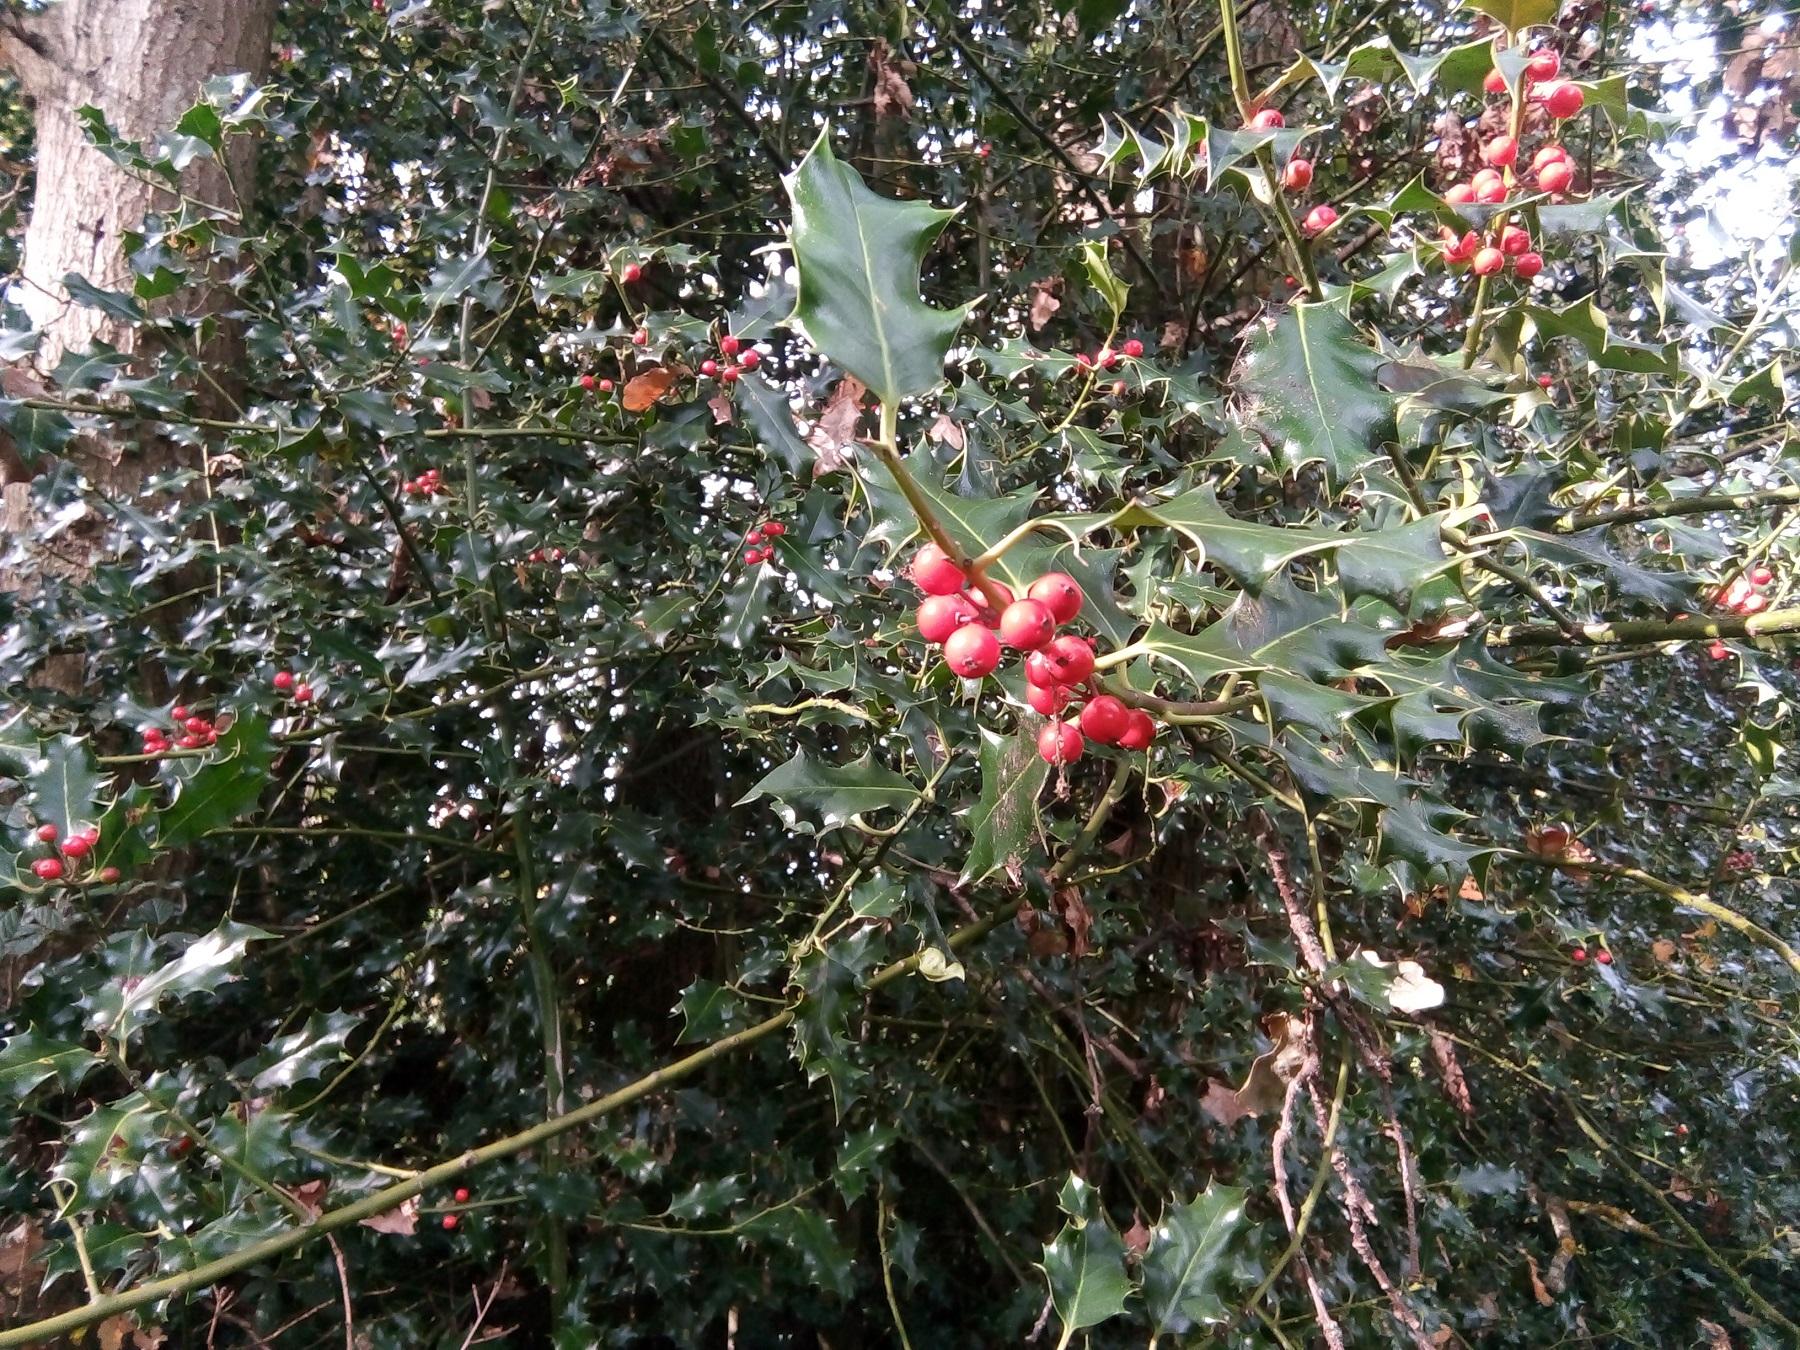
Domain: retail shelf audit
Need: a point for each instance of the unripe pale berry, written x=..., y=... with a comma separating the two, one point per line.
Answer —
x=1298, y=175
x=47, y=833
x=1048, y=700
x=933, y=572
x=1514, y=241
x=1543, y=66
x=1026, y=625
x=1563, y=100
x=1060, y=743
x=1556, y=176
x=1501, y=150
x=1140, y=730
x=109, y=875
x=1269, y=119
x=1528, y=265
x=1061, y=592
x=1488, y=261
x=972, y=651
x=1133, y=347
x=47, y=869
x=1320, y=219
x=1070, y=658
x=941, y=615
x=1105, y=719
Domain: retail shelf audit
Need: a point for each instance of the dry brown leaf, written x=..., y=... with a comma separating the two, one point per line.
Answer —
x=1663, y=950
x=887, y=73
x=311, y=1196
x=834, y=433
x=1266, y=1084
x=403, y=1220
x=1557, y=1277
x=642, y=391
x=1044, y=301
x=945, y=430
x=1541, y=1294
x=1456, y=1086
x=723, y=409
x=1469, y=890
x=1078, y=919
x=1220, y=1101
x=111, y=1334
x=1137, y=1237
x=1716, y=1336
x=149, y=1338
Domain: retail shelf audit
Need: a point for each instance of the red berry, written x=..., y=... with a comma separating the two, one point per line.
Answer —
x=450, y=1221
x=752, y=556
x=1118, y=389
x=631, y=273
x=1061, y=592
x=462, y=1195
x=1269, y=119
x=730, y=374
x=109, y=875
x=1026, y=625
x=972, y=651
x=1528, y=265
x=1038, y=671
x=1556, y=176
x=1549, y=154
x=709, y=368
x=178, y=713
x=751, y=359
x=1070, y=658
x=1489, y=190
x=934, y=573
x=47, y=833
x=1488, y=261
x=1545, y=381
x=1578, y=955
x=728, y=345
x=641, y=338
x=587, y=383
x=1108, y=358
x=48, y=869
x=1133, y=348
x=284, y=680
x=1501, y=150
x=1084, y=361
x=1105, y=719
x=984, y=149
x=1298, y=175
x=1759, y=576
x=941, y=615
x=774, y=529
x=1048, y=700
x=1494, y=83
x=303, y=694
x=189, y=743
x=1514, y=241
x=1543, y=66
x=91, y=833
x=754, y=537
x=1563, y=100
x=197, y=726
x=1603, y=956
x=1060, y=743
x=1139, y=731
x=1320, y=219
x=1753, y=604
x=1459, y=194
x=606, y=386
x=76, y=846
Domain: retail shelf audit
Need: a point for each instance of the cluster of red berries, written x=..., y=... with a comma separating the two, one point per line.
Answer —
x=1297, y=176
x=972, y=624
x=589, y=383
x=769, y=529
x=1742, y=595
x=427, y=484
x=191, y=732
x=738, y=359
x=1511, y=245
x=1560, y=99
x=1579, y=956
x=286, y=682
x=450, y=1221
x=1108, y=359
x=545, y=555
x=69, y=856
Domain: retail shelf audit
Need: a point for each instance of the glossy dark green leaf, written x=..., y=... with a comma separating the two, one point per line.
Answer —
x=1186, y=1261
x=1309, y=388
x=1003, y=823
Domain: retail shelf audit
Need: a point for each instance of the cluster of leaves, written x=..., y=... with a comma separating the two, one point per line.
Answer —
x=577, y=793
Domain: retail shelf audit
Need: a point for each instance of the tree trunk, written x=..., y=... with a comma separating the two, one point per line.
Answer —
x=142, y=63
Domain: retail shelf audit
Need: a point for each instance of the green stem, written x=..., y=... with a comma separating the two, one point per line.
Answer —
x=1629, y=631
x=1680, y=506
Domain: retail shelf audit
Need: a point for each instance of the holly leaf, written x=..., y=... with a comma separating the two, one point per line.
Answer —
x=858, y=1155
x=858, y=257
x=1516, y=15
x=1085, y=1266
x=834, y=792
x=1309, y=389
x=1004, y=819
x=223, y=789
x=30, y=1058
x=207, y=963
x=1184, y=1263
x=65, y=784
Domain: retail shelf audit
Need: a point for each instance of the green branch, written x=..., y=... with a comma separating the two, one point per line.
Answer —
x=1680, y=506
x=1629, y=631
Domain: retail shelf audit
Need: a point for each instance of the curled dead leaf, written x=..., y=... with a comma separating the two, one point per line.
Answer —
x=891, y=95
x=945, y=430
x=403, y=1219
x=1456, y=1086
x=1044, y=302
x=643, y=391
x=833, y=434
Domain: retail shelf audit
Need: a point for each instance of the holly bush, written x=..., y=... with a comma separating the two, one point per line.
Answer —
x=494, y=851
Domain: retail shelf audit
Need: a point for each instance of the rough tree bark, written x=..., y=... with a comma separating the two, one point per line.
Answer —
x=142, y=63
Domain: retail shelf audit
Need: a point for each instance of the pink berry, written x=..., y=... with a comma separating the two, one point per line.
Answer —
x=934, y=573
x=178, y=713
x=1320, y=219
x=1563, y=100
x=751, y=359
x=1488, y=261
x=941, y=615
x=641, y=338
x=1060, y=743
x=587, y=383
x=1542, y=66
x=1718, y=651
x=972, y=651
x=303, y=694
x=1133, y=348
x=284, y=680
x=1759, y=576
x=1603, y=956
x=1501, y=150
x=1298, y=175
x=1048, y=701
x=631, y=273
x=1556, y=176
x=1514, y=241
x=1269, y=119
x=1578, y=955
x=1550, y=154
x=1459, y=194
x=450, y=1221
x=606, y=386
x=48, y=869
x=1528, y=265
x=109, y=875
x=1494, y=83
